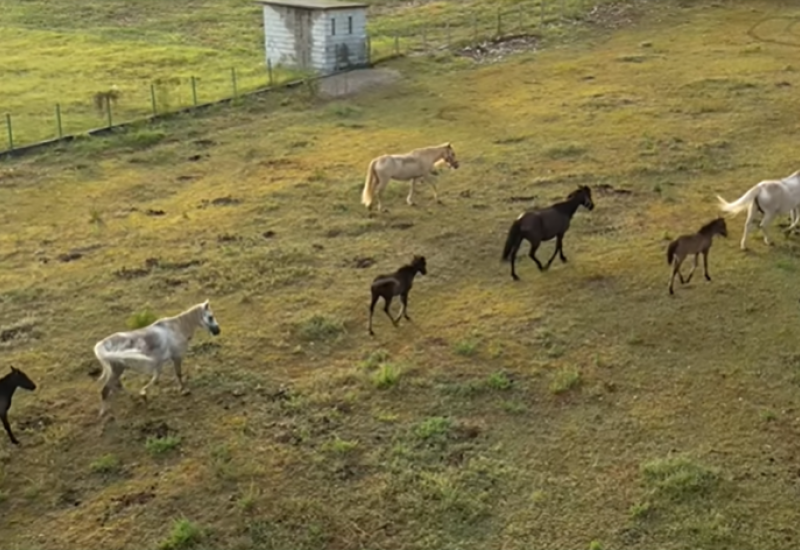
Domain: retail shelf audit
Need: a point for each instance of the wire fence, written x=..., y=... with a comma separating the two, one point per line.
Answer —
x=474, y=31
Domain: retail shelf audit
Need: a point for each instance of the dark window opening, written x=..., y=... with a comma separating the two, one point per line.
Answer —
x=333, y=27
x=350, y=25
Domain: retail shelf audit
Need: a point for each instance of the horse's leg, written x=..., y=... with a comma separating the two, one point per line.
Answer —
x=177, y=363
x=764, y=223
x=513, y=261
x=560, y=244
x=750, y=215
x=375, y=298
x=532, y=254
x=676, y=270
x=386, y=303
x=7, y=426
x=114, y=382
x=410, y=197
x=153, y=380
x=795, y=218
x=404, y=303
x=705, y=265
x=432, y=181
x=382, y=183
x=694, y=266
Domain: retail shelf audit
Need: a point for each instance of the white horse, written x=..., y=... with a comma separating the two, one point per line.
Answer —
x=416, y=165
x=771, y=197
x=147, y=349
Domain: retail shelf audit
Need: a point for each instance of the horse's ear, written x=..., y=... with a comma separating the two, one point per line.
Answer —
x=205, y=304
x=14, y=369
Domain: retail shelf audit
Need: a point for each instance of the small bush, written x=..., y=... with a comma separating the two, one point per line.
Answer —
x=321, y=329
x=160, y=445
x=142, y=138
x=184, y=534
x=564, y=380
x=436, y=427
x=340, y=446
x=679, y=478
x=386, y=376
x=466, y=347
x=499, y=381
x=141, y=319
x=106, y=464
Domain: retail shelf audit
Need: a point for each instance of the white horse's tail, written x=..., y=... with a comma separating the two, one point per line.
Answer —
x=105, y=357
x=743, y=202
x=369, y=185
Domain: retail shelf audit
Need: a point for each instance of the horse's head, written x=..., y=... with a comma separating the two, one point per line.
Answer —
x=208, y=319
x=450, y=156
x=419, y=264
x=584, y=195
x=20, y=380
x=721, y=226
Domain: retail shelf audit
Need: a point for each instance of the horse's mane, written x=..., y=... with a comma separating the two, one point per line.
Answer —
x=709, y=226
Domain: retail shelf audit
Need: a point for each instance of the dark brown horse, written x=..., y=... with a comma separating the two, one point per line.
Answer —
x=698, y=243
x=542, y=225
x=8, y=385
x=396, y=284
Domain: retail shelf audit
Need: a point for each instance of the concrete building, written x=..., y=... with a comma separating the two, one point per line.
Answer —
x=320, y=35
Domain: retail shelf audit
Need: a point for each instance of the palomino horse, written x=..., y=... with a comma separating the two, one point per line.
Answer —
x=147, y=349
x=771, y=197
x=698, y=243
x=415, y=166
x=542, y=225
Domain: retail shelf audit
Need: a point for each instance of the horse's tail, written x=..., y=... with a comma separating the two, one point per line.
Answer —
x=369, y=185
x=513, y=239
x=673, y=246
x=743, y=202
x=106, y=356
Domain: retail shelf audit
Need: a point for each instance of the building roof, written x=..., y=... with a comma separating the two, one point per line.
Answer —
x=314, y=4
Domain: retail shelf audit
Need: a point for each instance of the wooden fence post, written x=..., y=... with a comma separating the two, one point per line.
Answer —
x=10, y=132
x=58, y=121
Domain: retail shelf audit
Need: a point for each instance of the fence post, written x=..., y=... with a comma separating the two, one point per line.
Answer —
x=153, y=98
x=562, y=9
x=369, y=52
x=541, y=5
x=269, y=72
x=194, y=91
x=520, y=19
x=108, y=111
x=474, y=28
x=58, y=121
x=10, y=132
x=425, y=38
x=396, y=44
x=233, y=80
x=447, y=31
x=499, y=22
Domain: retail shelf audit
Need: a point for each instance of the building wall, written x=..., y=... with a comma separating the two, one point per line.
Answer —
x=324, y=41
x=347, y=45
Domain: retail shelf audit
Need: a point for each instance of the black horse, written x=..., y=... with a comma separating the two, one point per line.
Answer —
x=542, y=225
x=8, y=385
x=396, y=284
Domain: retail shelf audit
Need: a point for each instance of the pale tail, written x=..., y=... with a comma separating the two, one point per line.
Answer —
x=105, y=357
x=743, y=203
x=369, y=185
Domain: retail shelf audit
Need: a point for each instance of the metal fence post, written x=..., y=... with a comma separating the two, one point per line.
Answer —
x=108, y=111
x=369, y=51
x=474, y=28
x=233, y=80
x=194, y=91
x=58, y=121
x=10, y=132
x=541, y=5
x=499, y=22
x=269, y=72
x=396, y=44
x=153, y=98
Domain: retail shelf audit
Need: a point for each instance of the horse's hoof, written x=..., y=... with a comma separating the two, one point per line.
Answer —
x=15, y=442
x=186, y=391
x=514, y=277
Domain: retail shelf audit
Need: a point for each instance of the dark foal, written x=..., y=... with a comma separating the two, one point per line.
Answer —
x=8, y=385
x=698, y=243
x=542, y=225
x=397, y=284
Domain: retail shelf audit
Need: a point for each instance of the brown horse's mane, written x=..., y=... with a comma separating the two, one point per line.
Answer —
x=707, y=228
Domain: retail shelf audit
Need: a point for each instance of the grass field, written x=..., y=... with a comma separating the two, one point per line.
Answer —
x=579, y=408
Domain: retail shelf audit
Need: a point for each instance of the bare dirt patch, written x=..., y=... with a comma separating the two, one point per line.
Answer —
x=352, y=82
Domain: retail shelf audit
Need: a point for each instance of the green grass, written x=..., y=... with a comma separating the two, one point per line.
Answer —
x=677, y=433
